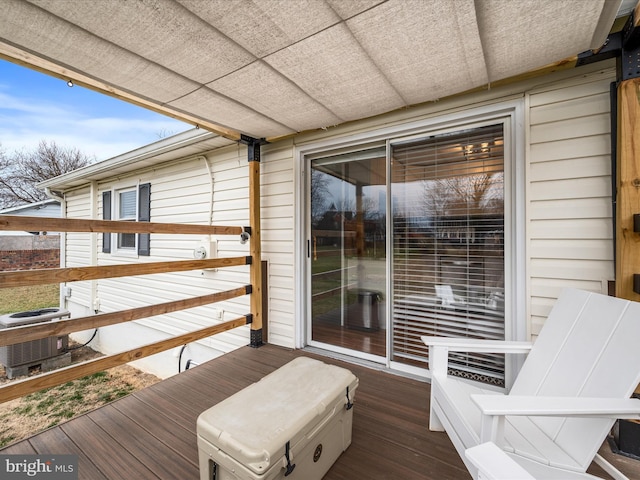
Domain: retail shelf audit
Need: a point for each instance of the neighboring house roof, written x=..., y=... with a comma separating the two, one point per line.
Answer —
x=270, y=69
x=44, y=208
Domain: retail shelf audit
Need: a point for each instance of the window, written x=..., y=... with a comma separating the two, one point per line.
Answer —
x=130, y=204
x=127, y=202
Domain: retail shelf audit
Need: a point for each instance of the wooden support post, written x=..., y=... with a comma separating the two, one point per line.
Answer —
x=255, y=245
x=628, y=188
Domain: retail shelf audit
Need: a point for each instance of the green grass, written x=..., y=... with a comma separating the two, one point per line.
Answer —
x=19, y=299
x=57, y=404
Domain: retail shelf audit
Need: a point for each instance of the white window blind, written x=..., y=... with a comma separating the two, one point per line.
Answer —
x=448, y=246
x=127, y=210
x=128, y=205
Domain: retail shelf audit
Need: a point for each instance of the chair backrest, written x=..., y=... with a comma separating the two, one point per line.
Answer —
x=445, y=294
x=588, y=347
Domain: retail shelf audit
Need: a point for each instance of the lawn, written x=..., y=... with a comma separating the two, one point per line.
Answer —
x=28, y=415
x=18, y=299
x=33, y=413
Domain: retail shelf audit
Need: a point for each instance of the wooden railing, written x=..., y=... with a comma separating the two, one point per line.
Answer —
x=58, y=275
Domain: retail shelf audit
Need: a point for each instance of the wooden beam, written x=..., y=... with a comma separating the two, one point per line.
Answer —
x=255, y=248
x=628, y=188
x=42, y=224
x=76, y=274
x=26, y=333
x=29, y=60
x=73, y=372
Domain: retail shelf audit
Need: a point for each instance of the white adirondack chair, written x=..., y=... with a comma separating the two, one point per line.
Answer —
x=493, y=463
x=577, y=379
x=447, y=297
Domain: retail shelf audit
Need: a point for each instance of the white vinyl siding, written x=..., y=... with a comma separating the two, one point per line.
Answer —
x=278, y=240
x=569, y=208
x=230, y=207
x=180, y=193
x=78, y=248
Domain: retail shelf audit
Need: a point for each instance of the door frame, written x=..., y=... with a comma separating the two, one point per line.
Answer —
x=515, y=260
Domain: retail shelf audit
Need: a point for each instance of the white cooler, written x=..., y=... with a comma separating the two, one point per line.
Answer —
x=293, y=423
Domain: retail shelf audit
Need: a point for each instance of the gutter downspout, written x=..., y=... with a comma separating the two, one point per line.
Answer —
x=63, y=239
x=53, y=195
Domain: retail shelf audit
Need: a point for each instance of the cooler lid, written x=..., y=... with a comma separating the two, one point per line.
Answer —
x=254, y=425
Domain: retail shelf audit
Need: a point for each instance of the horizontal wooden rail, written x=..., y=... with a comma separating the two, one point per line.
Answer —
x=44, y=224
x=58, y=377
x=25, y=333
x=23, y=278
x=332, y=292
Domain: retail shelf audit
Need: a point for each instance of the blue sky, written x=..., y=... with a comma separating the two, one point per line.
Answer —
x=35, y=106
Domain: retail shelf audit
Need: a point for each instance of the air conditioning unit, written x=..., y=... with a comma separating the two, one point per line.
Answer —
x=32, y=352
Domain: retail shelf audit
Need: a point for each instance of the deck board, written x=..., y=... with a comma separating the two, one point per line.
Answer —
x=55, y=440
x=151, y=434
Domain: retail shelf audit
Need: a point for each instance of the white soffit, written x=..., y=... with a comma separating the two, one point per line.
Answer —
x=268, y=68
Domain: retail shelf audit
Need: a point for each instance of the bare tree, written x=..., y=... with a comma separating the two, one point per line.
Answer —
x=21, y=171
x=319, y=193
x=470, y=194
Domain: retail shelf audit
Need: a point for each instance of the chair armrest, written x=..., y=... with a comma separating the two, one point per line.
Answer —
x=557, y=406
x=439, y=348
x=477, y=345
x=494, y=464
x=494, y=408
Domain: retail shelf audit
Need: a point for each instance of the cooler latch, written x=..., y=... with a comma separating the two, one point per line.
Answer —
x=349, y=402
x=290, y=466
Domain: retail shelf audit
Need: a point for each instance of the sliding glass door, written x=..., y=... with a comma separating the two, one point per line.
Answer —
x=433, y=265
x=448, y=246
x=347, y=251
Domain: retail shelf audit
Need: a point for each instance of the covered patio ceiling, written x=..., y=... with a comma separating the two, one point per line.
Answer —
x=271, y=68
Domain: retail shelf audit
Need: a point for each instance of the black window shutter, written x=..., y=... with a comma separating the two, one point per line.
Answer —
x=144, y=215
x=106, y=215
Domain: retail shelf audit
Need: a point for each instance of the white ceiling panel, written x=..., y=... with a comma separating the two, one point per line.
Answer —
x=334, y=69
x=274, y=67
x=274, y=96
x=79, y=50
x=524, y=35
x=352, y=7
x=423, y=62
x=173, y=38
x=265, y=26
x=206, y=103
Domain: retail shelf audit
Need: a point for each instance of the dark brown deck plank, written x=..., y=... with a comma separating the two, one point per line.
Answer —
x=146, y=448
x=55, y=441
x=20, y=448
x=106, y=454
x=181, y=440
x=157, y=425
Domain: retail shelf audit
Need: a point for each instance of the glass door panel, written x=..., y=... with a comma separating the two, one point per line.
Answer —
x=347, y=251
x=448, y=246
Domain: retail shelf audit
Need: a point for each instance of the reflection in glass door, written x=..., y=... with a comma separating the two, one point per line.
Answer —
x=347, y=251
x=449, y=246
x=434, y=262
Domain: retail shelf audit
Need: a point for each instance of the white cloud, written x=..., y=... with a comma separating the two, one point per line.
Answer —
x=24, y=122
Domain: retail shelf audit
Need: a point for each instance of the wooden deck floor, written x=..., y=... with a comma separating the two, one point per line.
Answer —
x=152, y=434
